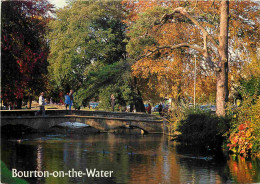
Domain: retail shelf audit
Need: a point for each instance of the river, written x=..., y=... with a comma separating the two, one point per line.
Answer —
x=131, y=158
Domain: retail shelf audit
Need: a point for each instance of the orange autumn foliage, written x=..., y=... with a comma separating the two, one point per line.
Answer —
x=174, y=69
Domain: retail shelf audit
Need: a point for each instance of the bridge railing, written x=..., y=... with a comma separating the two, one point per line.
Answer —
x=126, y=115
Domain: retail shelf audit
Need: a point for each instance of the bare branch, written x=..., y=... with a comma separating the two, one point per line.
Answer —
x=150, y=52
x=206, y=36
x=194, y=6
x=205, y=48
x=182, y=45
x=143, y=36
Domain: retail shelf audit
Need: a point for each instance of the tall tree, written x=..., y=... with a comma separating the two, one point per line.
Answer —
x=87, y=41
x=158, y=28
x=24, y=49
x=222, y=70
x=84, y=34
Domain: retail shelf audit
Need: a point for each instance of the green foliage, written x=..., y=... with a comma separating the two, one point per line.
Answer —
x=250, y=87
x=139, y=39
x=244, y=136
x=82, y=37
x=106, y=80
x=6, y=176
x=87, y=43
x=201, y=128
x=105, y=97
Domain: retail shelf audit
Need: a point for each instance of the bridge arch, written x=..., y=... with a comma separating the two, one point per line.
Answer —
x=129, y=130
x=101, y=123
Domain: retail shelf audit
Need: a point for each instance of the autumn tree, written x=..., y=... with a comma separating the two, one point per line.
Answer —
x=24, y=49
x=158, y=28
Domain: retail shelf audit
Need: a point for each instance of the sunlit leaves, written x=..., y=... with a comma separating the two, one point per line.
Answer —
x=145, y=36
x=84, y=34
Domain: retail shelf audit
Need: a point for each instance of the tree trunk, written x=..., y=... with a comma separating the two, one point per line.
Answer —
x=29, y=102
x=222, y=73
x=19, y=102
x=139, y=104
x=138, y=101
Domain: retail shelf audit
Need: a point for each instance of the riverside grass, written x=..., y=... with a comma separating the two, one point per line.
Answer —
x=6, y=176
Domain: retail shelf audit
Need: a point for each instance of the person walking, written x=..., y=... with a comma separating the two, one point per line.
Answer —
x=51, y=100
x=112, y=99
x=67, y=100
x=160, y=109
x=149, y=109
x=42, y=104
x=71, y=99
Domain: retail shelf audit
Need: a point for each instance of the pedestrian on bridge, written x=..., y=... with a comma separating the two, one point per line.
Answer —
x=42, y=104
x=67, y=100
x=160, y=109
x=71, y=99
x=149, y=109
x=112, y=99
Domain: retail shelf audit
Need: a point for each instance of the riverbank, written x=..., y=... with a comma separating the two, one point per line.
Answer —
x=238, y=132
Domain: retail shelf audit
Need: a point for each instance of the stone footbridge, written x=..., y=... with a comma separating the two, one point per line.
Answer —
x=100, y=120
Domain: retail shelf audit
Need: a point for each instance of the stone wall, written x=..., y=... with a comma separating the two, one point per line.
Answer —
x=101, y=120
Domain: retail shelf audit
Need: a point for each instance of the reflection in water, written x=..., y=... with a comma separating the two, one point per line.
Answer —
x=133, y=159
x=244, y=171
x=39, y=157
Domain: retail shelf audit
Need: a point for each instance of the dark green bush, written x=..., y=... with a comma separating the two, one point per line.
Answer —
x=203, y=129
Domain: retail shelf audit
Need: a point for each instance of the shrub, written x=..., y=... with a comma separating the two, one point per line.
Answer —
x=203, y=129
x=244, y=136
x=198, y=127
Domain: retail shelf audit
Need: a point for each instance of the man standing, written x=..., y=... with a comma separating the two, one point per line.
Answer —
x=71, y=99
x=160, y=109
x=42, y=104
x=149, y=108
x=112, y=99
x=67, y=100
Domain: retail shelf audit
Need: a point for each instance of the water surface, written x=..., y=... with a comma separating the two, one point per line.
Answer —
x=133, y=159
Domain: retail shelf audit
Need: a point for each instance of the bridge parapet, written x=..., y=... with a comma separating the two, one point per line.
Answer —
x=103, y=121
x=126, y=115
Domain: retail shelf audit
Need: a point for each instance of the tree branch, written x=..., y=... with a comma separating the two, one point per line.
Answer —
x=150, y=52
x=194, y=6
x=204, y=52
x=183, y=12
x=206, y=36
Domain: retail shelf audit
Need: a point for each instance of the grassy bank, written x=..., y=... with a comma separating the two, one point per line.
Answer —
x=6, y=176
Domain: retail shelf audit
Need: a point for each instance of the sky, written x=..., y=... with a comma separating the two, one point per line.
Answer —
x=58, y=3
